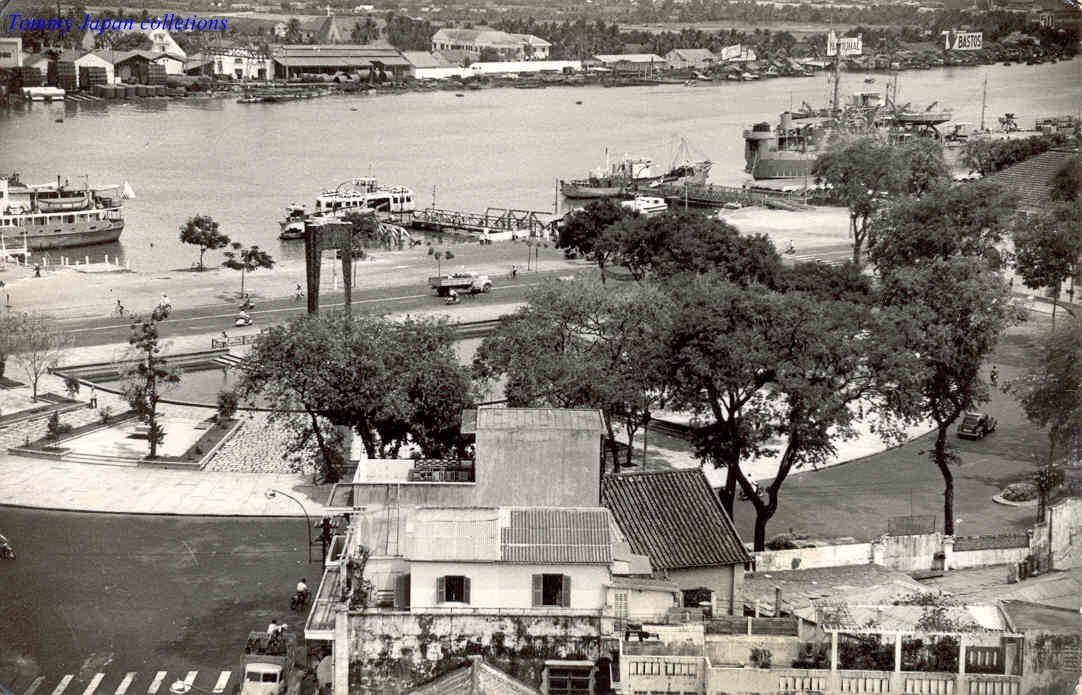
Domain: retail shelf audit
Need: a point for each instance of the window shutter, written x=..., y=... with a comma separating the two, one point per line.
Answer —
x=565, y=592
x=441, y=589
x=465, y=589
x=537, y=595
x=402, y=591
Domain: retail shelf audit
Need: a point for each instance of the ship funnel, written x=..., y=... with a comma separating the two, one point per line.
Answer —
x=786, y=121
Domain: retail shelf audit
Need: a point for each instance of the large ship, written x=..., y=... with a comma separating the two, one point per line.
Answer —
x=632, y=174
x=354, y=195
x=56, y=216
x=790, y=149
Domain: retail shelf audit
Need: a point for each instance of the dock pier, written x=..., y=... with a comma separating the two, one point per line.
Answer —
x=493, y=223
x=715, y=195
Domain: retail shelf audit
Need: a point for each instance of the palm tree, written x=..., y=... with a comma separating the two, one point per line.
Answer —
x=246, y=260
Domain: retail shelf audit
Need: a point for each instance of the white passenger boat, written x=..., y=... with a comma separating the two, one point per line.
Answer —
x=646, y=205
x=354, y=195
x=53, y=216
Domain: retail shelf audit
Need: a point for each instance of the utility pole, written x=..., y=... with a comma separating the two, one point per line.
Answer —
x=984, y=100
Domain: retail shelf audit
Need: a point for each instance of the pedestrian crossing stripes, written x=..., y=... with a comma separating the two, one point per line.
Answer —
x=130, y=683
x=34, y=686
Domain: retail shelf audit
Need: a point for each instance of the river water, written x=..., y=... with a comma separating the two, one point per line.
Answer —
x=243, y=163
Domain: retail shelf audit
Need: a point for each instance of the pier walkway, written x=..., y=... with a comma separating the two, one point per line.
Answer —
x=715, y=195
x=492, y=221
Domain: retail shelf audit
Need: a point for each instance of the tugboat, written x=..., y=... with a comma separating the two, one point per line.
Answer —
x=56, y=216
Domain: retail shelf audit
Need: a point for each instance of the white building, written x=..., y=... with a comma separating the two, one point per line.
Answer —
x=508, y=46
x=11, y=52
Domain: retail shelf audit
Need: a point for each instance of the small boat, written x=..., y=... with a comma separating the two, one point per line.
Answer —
x=293, y=224
x=62, y=204
x=357, y=195
x=648, y=206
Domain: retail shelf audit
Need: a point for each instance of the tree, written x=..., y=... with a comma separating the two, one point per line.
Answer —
x=147, y=378
x=246, y=260
x=838, y=282
x=39, y=346
x=955, y=309
x=1048, y=246
x=581, y=231
x=948, y=220
x=202, y=231
x=1049, y=391
x=690, y=242
x=580, y=345
x=392, y=384
x=1067, y=181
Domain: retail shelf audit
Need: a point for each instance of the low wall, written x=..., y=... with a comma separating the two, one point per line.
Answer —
x=736, y=649
x=813, y=558
x=392, y=651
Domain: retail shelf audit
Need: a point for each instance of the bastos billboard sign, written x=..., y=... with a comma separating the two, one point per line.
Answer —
x=963, y=40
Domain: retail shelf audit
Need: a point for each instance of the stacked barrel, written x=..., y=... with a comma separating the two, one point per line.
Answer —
x=93, y=77
x=67, y=76
x=155, y=74
x=29, y=77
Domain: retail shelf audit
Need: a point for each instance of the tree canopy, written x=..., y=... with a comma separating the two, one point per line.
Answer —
x=202, y=231
x=246, y=260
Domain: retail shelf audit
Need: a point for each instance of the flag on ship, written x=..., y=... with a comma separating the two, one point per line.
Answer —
x=127, y=193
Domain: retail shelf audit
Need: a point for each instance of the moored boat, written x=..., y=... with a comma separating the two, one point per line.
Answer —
x=647, y=206
x=53, y=216
x=355, y=195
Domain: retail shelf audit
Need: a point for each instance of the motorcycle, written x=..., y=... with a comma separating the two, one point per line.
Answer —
x=243, y=320
x=247, y=305
x=299, y=600
x=6, y=551
x=453, y=299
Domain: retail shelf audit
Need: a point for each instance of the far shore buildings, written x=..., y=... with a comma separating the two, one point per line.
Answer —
x=508, y=47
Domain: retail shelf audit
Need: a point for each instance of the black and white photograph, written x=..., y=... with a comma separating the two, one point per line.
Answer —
x=530, y=347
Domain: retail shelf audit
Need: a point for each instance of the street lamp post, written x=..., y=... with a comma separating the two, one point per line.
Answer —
x=270, y=494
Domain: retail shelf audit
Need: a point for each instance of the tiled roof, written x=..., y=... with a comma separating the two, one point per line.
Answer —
x=556, y=536
x=475, y=678
x=694, y=53
x=422, y=59
x=535, y=419
x=1031, y=178
x=449, y=534
x=675, y=518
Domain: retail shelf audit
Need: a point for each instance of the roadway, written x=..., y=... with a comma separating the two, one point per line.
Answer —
x=213, y=319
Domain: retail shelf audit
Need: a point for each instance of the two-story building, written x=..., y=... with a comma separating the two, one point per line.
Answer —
x=506, y=46
x=510, y=555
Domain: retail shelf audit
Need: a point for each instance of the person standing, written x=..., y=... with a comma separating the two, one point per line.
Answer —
x=993, y=376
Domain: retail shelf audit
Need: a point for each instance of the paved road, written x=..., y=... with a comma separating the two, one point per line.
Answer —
x=113, y=594
x=214, y=319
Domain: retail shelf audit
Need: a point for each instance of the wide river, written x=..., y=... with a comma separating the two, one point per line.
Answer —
x=243, y=163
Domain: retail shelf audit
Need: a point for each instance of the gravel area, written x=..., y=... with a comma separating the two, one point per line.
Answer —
x=257, y=446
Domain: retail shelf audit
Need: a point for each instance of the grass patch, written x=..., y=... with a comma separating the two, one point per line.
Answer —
x=210, y=439
x=48, y=444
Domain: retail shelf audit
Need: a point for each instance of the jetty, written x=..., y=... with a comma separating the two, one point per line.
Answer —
x=493, y=223
x=715, y=195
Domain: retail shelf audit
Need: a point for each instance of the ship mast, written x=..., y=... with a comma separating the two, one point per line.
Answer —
x=984, y=98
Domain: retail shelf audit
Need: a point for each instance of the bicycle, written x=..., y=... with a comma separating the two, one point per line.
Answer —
x=299, y=295
x=118, y=310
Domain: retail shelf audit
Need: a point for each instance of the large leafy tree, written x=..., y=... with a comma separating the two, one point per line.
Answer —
x=859, y=172
x=148, y=377
x=866, y=172
x=1048, y=246
x=690, y=242
x=393, y=384
x=581, y=231
x=956, y=309
x=577, y=344
x=246, y=260
x=1050, y=391
x=202, y=231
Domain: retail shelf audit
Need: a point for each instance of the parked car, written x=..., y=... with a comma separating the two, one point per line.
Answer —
x=976, y=425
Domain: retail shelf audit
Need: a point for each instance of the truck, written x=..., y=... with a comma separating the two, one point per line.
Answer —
x=471, y=283
x=267, y=665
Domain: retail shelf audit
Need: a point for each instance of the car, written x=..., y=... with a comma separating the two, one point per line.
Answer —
x=976, y=425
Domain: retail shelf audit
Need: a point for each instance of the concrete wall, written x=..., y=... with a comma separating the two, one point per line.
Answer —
x=983, y=558
x=726, y=582
x=663, y=674
x=439, y=73
x=505, y=586
x=907, y=553
x=1064, y=537
x=540, y=468
x=415, y=494
x=812, y=558
x=390, y=652
x=642, y=604
x=524, y=66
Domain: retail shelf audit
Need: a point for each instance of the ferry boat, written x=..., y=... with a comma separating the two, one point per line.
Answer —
x=358, y=194
x=56, y=216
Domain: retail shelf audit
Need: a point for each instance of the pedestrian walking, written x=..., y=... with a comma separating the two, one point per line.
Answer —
x=514, y=270
x=993, y=376
x=37, y=270
x=93, y=397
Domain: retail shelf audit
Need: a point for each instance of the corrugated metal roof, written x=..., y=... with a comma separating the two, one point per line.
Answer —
x=630, y=58
x=1031, y=178
x=556, y=536
x=467, y=534
x=673, y=517
x=537, y=419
